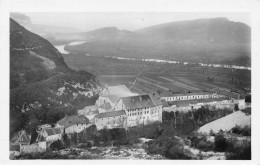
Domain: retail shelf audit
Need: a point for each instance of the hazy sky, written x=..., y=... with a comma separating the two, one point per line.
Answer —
x=124, y=20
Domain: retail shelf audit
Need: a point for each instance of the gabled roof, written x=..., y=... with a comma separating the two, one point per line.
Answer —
x=23, y=137
x=113, y=98
x=141, y=101
x=111, y=114
x=57, y=130
x=41, y=138
x=106, y=106
x=117, y=90
x=50, y=131
x=88, y=108
x=68, y=121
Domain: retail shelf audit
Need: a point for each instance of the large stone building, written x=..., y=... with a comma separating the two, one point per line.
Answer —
x=140, y=110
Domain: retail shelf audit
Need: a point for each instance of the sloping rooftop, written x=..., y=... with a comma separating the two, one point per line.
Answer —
x=227, y=93
x=168, y=94
x=196, y=101
x=119, y=91
x=88, y=108
x=41, y=138
x=50, y=131
x=141, y=101
x=23, y=137
x=113, y=98
x=68, y=121
x=106, y=106
x=111, y=114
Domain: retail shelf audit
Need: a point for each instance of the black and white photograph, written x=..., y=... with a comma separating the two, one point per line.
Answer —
x=129, y=85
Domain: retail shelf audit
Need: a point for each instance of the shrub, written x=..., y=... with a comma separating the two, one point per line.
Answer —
x=220, y=143
x=205, y=145
x=57, y=145
x=171, y=148
x=85, y=145
x=239, y=151
x=244, y=131
x=200, y=141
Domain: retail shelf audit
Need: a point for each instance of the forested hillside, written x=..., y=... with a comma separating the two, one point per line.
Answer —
x=42, y=87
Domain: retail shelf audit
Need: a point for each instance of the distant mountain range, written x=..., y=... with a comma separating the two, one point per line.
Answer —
x=211, y=31
x=215, y=40
x=41, y=83
x=212, y=40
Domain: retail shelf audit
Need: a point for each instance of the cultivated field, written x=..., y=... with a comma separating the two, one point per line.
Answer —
x=169, y=77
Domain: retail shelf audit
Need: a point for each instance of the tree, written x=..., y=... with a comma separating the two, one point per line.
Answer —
x=75, y=138
x=236, y=108
x=56, y=146
x=220, y=143
x=65, y=140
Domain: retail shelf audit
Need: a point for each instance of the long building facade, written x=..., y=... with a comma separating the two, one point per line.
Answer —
x=140, y=110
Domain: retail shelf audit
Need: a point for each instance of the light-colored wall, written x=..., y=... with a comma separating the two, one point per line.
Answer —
x=76, y=128
x=224, y=104
x=144, y=116
x=189, y=97
x=53, y=137
x=111, y=122
x=32, y=148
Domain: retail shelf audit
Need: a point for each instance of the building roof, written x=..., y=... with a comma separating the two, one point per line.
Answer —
x=23, y=137
x=196, y=101
x=41, y=138
x=167, y=94
x=88, y=109
x=227, y=93
x=111, y=114
x=106, y=106
x=44, y=126
x=119, y=91
x=113, y=98
x=50, y=131
x=93, y=113
x=115, y=90
x=141, y=101
x=68, y=121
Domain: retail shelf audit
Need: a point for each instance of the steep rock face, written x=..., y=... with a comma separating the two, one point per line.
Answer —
x=42, y=83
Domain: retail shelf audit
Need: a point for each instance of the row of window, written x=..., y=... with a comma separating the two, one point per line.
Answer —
x=113, y=117
x=138, y=109
x=138, y=113
x=186, y=97
x=136, y=119
x=107, y=123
